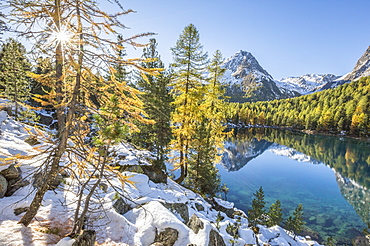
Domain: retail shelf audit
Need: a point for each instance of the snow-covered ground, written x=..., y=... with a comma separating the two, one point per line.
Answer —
x=150, y=202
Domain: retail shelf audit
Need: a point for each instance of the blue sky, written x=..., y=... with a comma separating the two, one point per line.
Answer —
x=288, y=37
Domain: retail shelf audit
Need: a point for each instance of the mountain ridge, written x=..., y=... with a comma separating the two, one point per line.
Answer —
x=246, y=80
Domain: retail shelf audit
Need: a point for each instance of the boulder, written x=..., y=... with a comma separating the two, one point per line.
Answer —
x=3, y=186
x=215, y=239
x=168, y=237
x=11, y=172
x=32, y=140
x=15, y=184
x=155, y=175
x=178, y=208
x=228, y=211
x=121, y=207
x=18, y=211
x=195, y=223
x=199, y=207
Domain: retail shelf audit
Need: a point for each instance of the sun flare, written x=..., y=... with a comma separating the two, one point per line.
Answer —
x=62, y=36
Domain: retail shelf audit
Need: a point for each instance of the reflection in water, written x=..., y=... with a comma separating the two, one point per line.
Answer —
x=350, y=160
x=356, y=195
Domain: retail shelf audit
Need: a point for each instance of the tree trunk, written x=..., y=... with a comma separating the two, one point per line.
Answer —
x=50, y=177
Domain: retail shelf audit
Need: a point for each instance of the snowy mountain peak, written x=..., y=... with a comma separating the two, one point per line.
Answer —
x=244, y=63
x=361, y=69
x=307, y=83
x=246, y=80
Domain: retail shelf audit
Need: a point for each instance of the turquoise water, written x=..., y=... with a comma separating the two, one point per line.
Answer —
x=325, y=193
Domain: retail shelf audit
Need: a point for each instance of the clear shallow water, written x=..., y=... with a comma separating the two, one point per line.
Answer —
x=330, y=203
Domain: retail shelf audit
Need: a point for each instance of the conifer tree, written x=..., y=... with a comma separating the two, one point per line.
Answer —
x=157, y=104
x=209, y=133
x=295, y=223
x=82, y=56
x=187, y=88
x=275, y=214
x=2, y=24
x=256, y=214
x=14, y=66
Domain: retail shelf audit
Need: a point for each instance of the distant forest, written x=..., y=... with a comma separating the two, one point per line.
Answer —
x=345, y=108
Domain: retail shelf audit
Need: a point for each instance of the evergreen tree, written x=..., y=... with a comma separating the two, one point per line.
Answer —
x=42, y=77
x=187, y=88
x=275, y=214
x=157, y=104
x=13, y=72
x=2, y=24
x=256, y=215
x=295, y=223
x=209, y=133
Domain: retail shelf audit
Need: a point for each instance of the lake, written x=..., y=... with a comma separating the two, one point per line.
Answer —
x=329, y=175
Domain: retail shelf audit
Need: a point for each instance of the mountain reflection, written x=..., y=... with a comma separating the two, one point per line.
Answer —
x=350, y=158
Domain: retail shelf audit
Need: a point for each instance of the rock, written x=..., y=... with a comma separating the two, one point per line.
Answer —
x=179, y=208
x=45, y=120
x=199, y=207
x=228, y=211
x=215, y=239
x=86, y=239
x=195, y=224
x=18, y=211
x=156, y=175
x=11, y=172
x=3, y=186
x=32, y=140
x=121, y=207
x=361, y=240
x=168, y=237
x=15, y=184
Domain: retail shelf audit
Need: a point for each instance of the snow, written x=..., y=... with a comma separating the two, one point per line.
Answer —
x=291, y=153
x=306, y=83
x=241, y=64
x=138, y=226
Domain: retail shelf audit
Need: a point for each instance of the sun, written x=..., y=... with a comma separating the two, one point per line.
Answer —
x=62, y=36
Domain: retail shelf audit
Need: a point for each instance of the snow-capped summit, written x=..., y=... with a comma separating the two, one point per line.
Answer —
x=243, y=63
x=246, y=80
x=361, y=69
x=306, y=83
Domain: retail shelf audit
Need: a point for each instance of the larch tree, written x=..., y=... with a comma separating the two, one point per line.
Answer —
x=14, y=66
x=157, y=101
x=189, y=63
x=209, y=133
x=82, y=40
